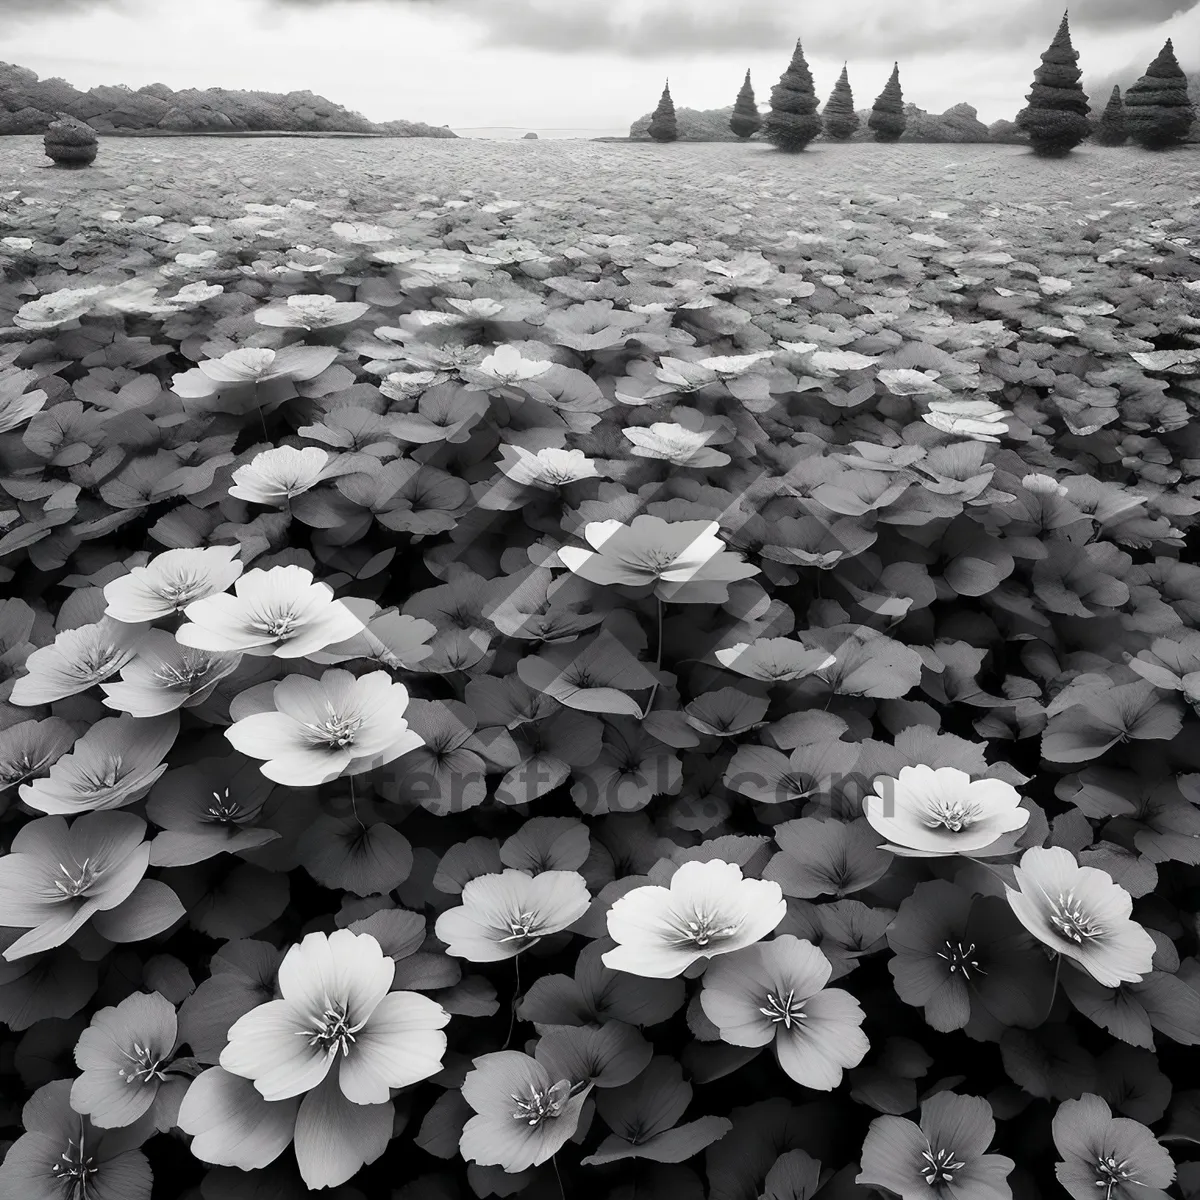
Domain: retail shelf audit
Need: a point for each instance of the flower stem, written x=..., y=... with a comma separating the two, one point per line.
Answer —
x=554, y=1163
x=354, y=806
x=657, y=658
x=1053, y=988
x=512, y=1012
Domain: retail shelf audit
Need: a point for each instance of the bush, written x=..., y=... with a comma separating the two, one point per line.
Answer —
x=1112, y=129
x=663, y=126
x=793, y=122
x=1007, y=133
x=1056, y=116
x=745, y=120
x=840, y=119
x=887, y=120
x=1158, y=109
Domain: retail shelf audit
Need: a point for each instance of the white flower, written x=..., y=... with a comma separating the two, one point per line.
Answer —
x=311, y=311
x=709, y=909
x=171, y=581
x=17, y=243
x=280, y=612
x=548, y=468
x=404, y=385
x=16, y=404
x=275, y=476
x=57, y=308
x=165, y=676
x=979, y=419
x=246, y=365
x=928, y=813
x=318, y=730
x=675, y=444
x=1043, y=485
x=77, y=659
x=506, y=364
x=193, y=294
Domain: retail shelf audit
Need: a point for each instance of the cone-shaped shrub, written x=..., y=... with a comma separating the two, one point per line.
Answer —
x=793, y=122
x=1111, y=130
x=1158, y=110
x=1056, y=116
x=841, y=121
x=887, y=119
x=662, y=123
x=746, y=119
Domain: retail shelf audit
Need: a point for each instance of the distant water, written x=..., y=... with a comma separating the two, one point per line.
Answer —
x=516, y=132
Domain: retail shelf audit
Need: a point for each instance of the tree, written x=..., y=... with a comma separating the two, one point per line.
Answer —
x=1056, y=117
x=662, y=125
x=793, y=122
x=1112, y=129
x=1158, y=110
x=887, y=120
x=746, y=119
x=841, y=121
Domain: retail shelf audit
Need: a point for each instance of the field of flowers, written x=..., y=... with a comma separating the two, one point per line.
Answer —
x=638, y=671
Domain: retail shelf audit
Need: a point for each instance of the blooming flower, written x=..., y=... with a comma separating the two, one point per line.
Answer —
x=774, y=660
x=709, y=909
x=63, y=1156
x=335, y=1008
x=549, y=468
x=523, y=1116
x=774, y=993
x=1081, y=913
x=502, y=914
x=113, y=764
x=506, y=365
x=927, y=813
x=683, y=561
x=166, y=676
x=312, y=311
x=30, y=747
x=57, y=877
x=1106, y=1157
x=280, y=612
x=275, y=476
x=56, y=308
x=319, y=730
x=125, y=1056
x=77, y=659
x=171, y=581
x=944, y=1156
x=16, y=404
x=979, y=419
x=676, y=444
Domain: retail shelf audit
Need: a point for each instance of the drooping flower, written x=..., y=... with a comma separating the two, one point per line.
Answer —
x=709, y=909
x=311, y=311
x=504, y=913
x=171, y=581
x=774, y=993
x=16, y=404
x=337, y=1017
x=63, y=1156
x=1106, y=1157
x=944, y=1156
x=927, y=813
x=523, y=1116
x=57, y=308
x=1081, y=913
x=75, y=660
x=671, y=442
x=112, y=765
x=31, y=747
x=775, y=660
x=318, y=730
x=684, y=561
x=57, y=877
x=979, y=419
x=549, y=468
x=165, y=676
x=281, y=612
x=125, y=1055
x=274, y=476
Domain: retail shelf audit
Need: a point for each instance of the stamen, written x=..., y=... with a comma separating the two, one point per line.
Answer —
x=786, y=1009
x=941, y=1166
x=961, y=959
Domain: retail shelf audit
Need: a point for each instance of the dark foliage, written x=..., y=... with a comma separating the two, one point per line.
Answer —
x=840, y=119
x=1158, y=109
x=746, y=119
x=663, y=126
x=793, y=122
x=887, y=120
x=1112, y=129
x=1057, y=112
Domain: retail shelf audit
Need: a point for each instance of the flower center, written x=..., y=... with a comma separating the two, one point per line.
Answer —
x=337, y=732
x=954, y=815
x=146, y=1067
x=76, y=879
x=181, y=590
x=93, y=661
x=1072, y=921
x=74, y=1171
x=332, y=1030
x=102, y=777
x=1111, y=1172
x=190, y=671
x=541, y=1105
x=279, y=624
x=961, y=959
x=521, y=926
x=225, y=810
x=703, y=930
x=786, y=1009
x=940, y=1166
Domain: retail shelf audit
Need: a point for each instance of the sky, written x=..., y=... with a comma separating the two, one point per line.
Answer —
x=592, y=64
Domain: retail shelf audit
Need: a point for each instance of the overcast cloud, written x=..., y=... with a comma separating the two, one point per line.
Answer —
x=586, y=63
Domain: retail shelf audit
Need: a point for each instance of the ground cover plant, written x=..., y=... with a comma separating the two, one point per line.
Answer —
x=649, y=672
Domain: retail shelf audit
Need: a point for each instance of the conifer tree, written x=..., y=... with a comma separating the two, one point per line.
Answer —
x=887, y=120
x=1057, y=111
x=746, y=119
x=793, y=122
x=1111, y=129
x=840, y=119
x=1158, y=110
x=662, y=124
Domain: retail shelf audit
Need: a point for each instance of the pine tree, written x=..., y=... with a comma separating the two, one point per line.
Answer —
x=840, y=118
x=1112, y=129
x=793, y=122
x=1057, y=112
x=887, y=119
x=1158, y=110
x=662, y=123
x=746, y=119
